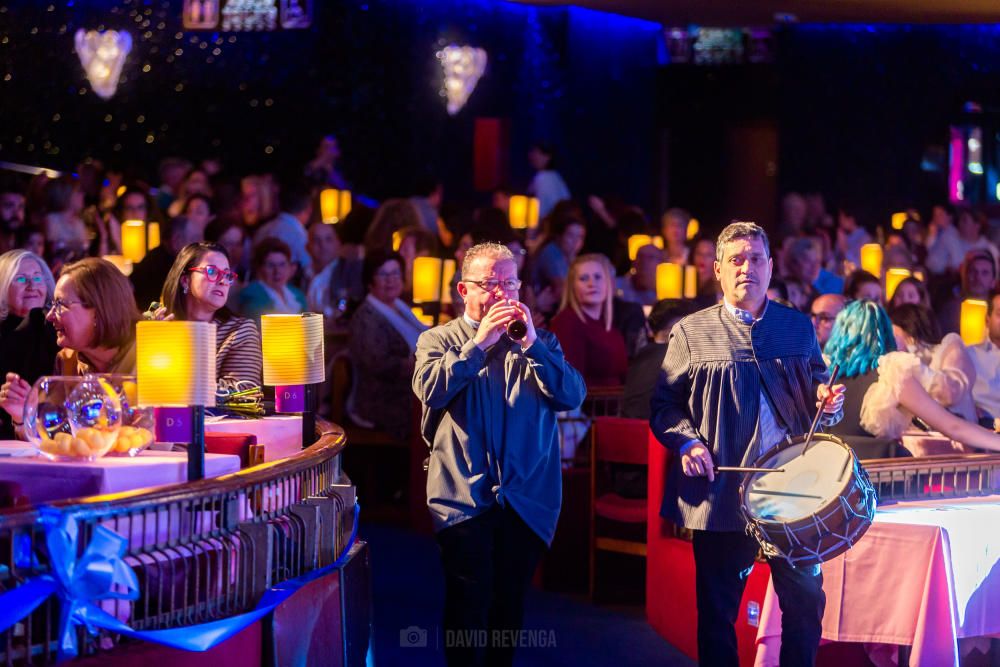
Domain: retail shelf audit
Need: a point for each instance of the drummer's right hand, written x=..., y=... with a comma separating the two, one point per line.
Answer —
x=696, y=461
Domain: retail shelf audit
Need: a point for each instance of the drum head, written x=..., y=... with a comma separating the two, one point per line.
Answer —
x=809, y=482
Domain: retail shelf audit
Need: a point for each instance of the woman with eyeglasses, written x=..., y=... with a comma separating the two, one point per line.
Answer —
x=197, y=289
x=27, y=342
x=269, y=291
x=383, y=343
x=93, y=313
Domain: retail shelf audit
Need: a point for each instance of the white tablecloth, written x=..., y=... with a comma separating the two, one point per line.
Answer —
x=281, y=435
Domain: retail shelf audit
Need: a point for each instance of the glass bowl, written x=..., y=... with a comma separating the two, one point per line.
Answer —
x=136, y=432
x=72, y=418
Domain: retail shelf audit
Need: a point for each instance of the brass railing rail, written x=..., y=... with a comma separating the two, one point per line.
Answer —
x=933, y=477
x=202, y=551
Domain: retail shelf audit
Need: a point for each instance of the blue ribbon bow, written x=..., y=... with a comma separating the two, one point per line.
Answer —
x=102, y=574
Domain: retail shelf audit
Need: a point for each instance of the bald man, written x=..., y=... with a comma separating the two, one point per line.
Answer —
x=824, y=311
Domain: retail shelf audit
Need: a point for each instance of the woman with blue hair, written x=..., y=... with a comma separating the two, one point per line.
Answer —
x=888, y=387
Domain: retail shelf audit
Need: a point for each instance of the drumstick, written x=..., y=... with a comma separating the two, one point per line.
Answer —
x=741, y=469
x=822, y=405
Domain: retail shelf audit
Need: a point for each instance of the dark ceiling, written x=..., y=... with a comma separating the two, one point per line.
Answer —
x=767, y=12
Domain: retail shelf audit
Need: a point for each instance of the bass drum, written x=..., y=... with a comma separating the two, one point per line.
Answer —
x=816, y=509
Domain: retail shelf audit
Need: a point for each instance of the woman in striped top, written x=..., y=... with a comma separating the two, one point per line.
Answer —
x=197, y=288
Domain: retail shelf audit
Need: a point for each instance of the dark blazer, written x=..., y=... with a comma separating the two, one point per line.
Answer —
x=709, y=389
x=28, y=348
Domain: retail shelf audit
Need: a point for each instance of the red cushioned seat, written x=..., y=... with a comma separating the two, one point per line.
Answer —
x=615, y=507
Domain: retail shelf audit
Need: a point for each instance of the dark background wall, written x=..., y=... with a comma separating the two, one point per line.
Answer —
x=366, y=71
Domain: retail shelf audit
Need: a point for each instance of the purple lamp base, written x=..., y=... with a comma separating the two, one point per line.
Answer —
x=174, y=424
x=290, y=398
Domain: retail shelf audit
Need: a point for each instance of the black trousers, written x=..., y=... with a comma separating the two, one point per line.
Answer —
x=723, y=561
x=489, y=562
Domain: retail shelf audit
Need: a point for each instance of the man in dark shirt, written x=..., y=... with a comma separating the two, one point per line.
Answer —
x=738, y=378
x=645, y=366
x=149, y=275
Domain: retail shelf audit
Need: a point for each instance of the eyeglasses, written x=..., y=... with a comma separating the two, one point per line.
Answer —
x=509, y=285
x=823, y=318
x=24, y=280
x=214, y=274
x=388, y=274
x=59, y=306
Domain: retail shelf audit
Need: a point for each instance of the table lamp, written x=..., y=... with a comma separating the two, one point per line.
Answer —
x=432, y=282
x=523, y=212
x=293, y=363
x=669, y=279
x=637, y=241
x=134, y=240
x=175, y=373
x=334, y=205
x=871, y=259
x=152, y=235
x=973, y=321
x=690, y=282
x=121, y=263
x=892, y=279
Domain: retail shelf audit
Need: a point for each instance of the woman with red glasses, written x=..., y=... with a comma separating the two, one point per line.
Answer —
x=197, y=288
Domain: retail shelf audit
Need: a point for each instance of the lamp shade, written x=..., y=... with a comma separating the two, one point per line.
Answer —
x=690, y=282
x=693, y=228
x=427, y=279
x=899, y=219
x=122, y=263
x=134, y=240
x=449, y=273
x=669, y=279
x=152, y=235
x=175, y=363
x=637, y=241
x=523, y=212
x=892, y=279
x=973, y=321
x=871, y=259
x=293, y=349
x=334, y=205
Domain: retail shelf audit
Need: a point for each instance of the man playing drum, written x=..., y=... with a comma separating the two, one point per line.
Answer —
x=738, y=378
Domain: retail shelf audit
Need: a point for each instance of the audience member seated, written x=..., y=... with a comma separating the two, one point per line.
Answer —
x=338, y=287
x=11, y=211
x=910, y=290
x=673, y=229
x=198, y=208
x=971, y=227
x=645, y=367
x=323, y=247
x=94, y=317
x=547, y=185
x=197, y=289
x=269, y=291
x=945, y=250
x=703, y=258
x=824, y=311
x=27, y=342
x=550, y=266
x=392, y=216
x=800, y=294
x=863, y=286
x=584, y=323
x=289, y=226
x=978, y=278
x=382, y=346
x=850, y=237
x=986, y=359
x=639, y=284
x=231, y=235
x=64, y=228
x=954, y=374
x=892, y=384
x=148, y=275
x=805, y=263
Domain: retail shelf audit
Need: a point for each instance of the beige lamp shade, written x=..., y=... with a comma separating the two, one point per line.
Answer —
x=637, y=241
x=427, y=279
x=898, y=220
x=175, y=363
x=871, y=259
x=523, y=212
x=122, y=263
x=449, y=273
x=973, y=321
x=334, y=205
x=892, y=279
x=693, y=228
x=669, y=279
x=134, y=240
x=690, y=282
x=152, y=235
x=293, y=349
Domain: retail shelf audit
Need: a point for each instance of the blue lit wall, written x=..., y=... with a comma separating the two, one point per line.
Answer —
x=577, y=78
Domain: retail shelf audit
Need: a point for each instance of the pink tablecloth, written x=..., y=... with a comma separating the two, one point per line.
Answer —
x=281, y=435
x=925, y=575
x=45, y=481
